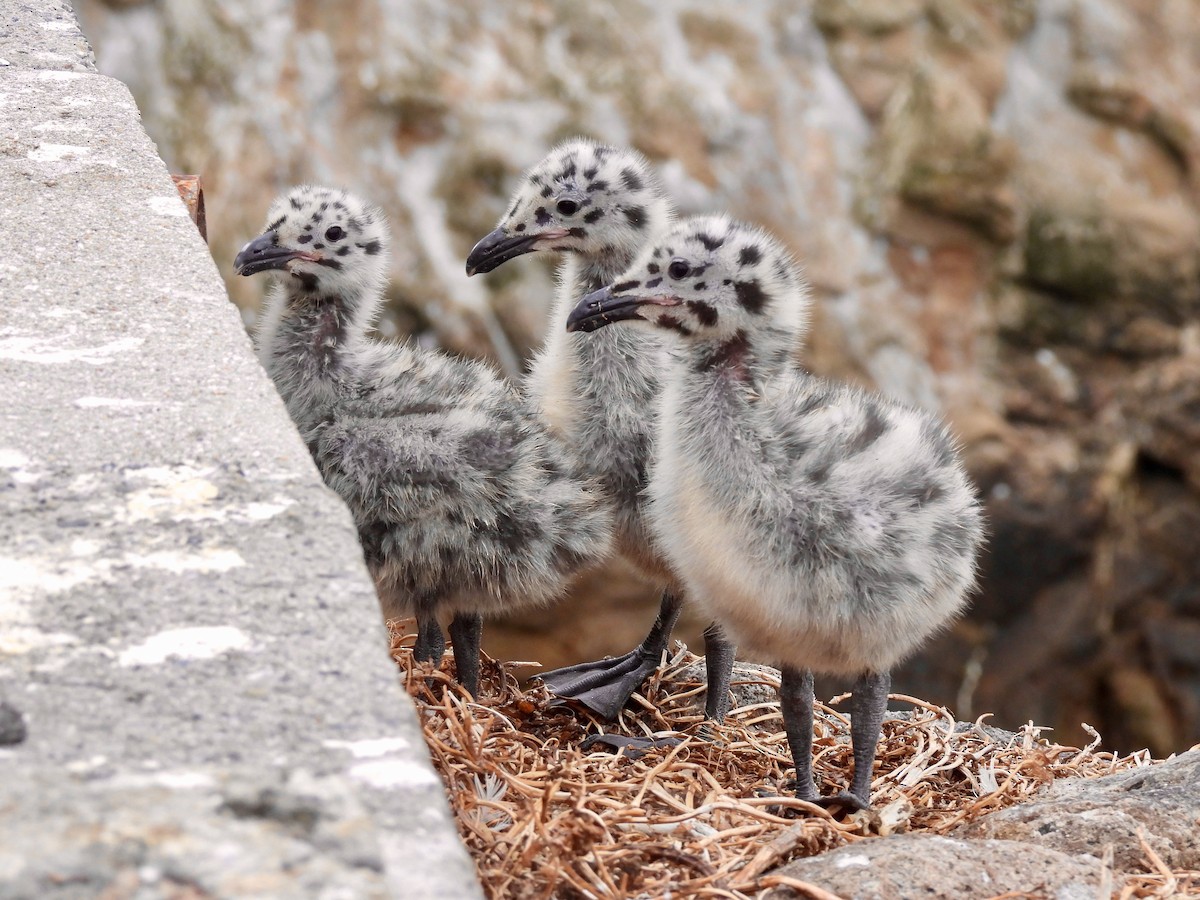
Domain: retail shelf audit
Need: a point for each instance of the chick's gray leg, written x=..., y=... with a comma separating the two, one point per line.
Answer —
x=431, y=643
x=604, y=686
x=719, y=653
x=796, y=701
x=466, y=633
x=867, y=707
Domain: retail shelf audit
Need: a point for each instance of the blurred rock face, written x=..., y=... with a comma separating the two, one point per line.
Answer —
x=996, y=203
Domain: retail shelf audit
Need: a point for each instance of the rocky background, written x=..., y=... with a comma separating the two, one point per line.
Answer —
x=997, y=202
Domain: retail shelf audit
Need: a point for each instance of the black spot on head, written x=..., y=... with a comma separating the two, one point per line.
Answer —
x=342, y=251
x=699, y=286
x=749, y=256
x=371, y=248
x=535, y=179
x=578, y=232
x=781, y=271
x=512, y=212
x=308, y=227
x=331, y=263
x=875, y=425
x=548, y=190
x=657, y=252
x=654, y=282
x=590, y=173
x=632, y=180
x=568, y=171
x=542, y=217
x=709, y=242
x=705, y=312
x=271, y=226
x=520, y=227
x=324, y=205
x=318, y=246
x=652, y=268
x=750, y=295
x=594, y=216
x=295, y=203
x=636, y=216
x=339, y=205
x=304, y=239
x=600, y=185
x=624, y=286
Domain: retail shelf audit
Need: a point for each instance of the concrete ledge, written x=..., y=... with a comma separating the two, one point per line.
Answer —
x=43, y=34
x=186, y=625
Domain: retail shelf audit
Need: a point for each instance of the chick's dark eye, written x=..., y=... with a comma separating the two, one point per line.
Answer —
x=678, y=269
x=567, y=207
x=334, y=233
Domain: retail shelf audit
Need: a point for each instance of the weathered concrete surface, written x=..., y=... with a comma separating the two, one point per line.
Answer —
x=187, y=633
x=42, y=34
x=938, y=868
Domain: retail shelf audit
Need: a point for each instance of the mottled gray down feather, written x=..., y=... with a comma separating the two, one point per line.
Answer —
x=822, y=526
x=462, y=500
x=598, y=392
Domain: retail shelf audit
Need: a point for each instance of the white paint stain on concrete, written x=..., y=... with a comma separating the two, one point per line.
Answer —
x=186, y=643
x=18, y=632
x=175, y=494
x=184, y=780
x=390, y=774
x=38, y=350
x=57, y=152
x=50, y=576
x=374, y=747
x=19, y=467
x=110, y=403
x=167, y=206
x=211, y=560
x=260, y=512
x=185, y=494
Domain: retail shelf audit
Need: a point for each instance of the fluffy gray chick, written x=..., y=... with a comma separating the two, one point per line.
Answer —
x=599, y=206
x=464, y=505
x=825, y=528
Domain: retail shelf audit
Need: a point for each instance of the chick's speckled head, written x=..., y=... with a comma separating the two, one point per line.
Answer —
x=324, y=242
x=583, y=198
x=708, y=279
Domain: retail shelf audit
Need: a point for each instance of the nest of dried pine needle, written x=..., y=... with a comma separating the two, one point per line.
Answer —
x=713, y=815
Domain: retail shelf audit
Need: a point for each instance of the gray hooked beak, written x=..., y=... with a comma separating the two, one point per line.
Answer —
x=602, y=307
x=497, y=248
x=264, y=253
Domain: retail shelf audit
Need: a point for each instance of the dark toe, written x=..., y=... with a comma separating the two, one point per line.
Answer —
x=634, y=747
